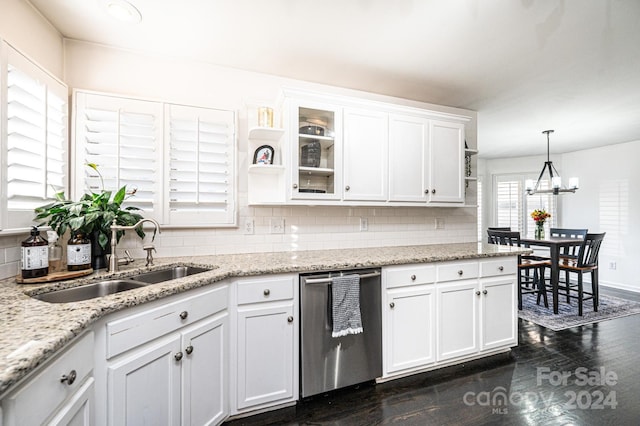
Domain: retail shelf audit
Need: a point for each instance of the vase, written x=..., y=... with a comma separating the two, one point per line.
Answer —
x=98, y=254
x=539, y=235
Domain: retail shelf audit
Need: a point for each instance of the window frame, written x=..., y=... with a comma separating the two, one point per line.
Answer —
x=13, y=220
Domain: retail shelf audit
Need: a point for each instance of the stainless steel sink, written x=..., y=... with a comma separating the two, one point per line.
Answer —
x=89, y=291
x=154, y=277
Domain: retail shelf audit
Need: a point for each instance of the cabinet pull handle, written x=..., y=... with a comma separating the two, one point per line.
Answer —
x=484, y=291
x=478, y=293
x=392, y=305
x=189, y=349
x=295, y=186
x=184, y=315
x=501, y=268
x=289, y=319
x=346, y=188
x=413, y=277
x=178, y=356
x=460, y=272
x=267, y=292
x=69, y=378
x=433, y=191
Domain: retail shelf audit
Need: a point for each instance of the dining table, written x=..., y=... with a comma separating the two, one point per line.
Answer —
x=555, y=245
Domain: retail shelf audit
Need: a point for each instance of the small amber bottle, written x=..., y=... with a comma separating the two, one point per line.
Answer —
x=78, y=253
x=34, y=260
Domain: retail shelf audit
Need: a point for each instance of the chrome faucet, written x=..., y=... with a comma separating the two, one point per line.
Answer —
x=113, y=259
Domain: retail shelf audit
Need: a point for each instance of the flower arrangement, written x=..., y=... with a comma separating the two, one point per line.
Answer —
x=539, y=216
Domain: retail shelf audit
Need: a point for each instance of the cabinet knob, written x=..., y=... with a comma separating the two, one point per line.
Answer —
x=413, y=277
x=501, y=268
x=295, y=186
x=346, y=188
x=69, y=378
x=189, y=349
x=266, y=292
x=289, y=319
x=478, y=293
x=433, y=191
x=392, y=305
x=460, y=272
x=426, y=191
x=178, y=356
x=484, y=291
x=184, y=315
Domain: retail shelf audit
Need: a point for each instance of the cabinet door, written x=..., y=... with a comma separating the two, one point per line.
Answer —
x=366, y=138
x=316, y=151
x=408, y=158
x=499, y=318
x=144, y=387
x=447, y=162
x=457, y=319
x=78, y=411
x=410, y=326
x=204, y=372
x=265, y=354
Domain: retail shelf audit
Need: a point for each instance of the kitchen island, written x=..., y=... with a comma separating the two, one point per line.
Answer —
x=32, y=331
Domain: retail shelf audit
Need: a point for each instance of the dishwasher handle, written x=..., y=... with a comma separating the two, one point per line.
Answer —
x=328, y=280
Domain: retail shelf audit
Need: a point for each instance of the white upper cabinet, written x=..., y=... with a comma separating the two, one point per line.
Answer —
x=447, y=162
x=408, y=158
x=366, y=145
x=350, y=151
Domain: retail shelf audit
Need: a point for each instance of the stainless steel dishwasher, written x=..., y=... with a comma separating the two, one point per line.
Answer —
x=328, y=363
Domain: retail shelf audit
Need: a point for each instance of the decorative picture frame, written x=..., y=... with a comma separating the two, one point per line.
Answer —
x=263, y=155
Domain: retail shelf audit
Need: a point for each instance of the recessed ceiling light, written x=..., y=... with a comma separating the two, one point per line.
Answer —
x=122, y=10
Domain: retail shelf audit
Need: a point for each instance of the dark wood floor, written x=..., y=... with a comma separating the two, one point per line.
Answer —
x=463, y=395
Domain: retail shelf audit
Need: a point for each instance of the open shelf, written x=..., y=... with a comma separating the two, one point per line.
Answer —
x=266, y=133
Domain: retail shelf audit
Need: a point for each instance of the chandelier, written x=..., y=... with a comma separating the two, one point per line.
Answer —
x=555, y=179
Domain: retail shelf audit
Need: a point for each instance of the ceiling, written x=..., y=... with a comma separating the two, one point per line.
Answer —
x=524, y=65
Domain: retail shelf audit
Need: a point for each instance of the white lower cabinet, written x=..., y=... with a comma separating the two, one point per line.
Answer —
x=60, y=393
x=266, y=343
x=178, y=377
x=476, y=314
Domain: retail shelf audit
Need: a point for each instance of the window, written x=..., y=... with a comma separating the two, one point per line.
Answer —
x=179, y=159
x=513, y=207
x=34, y=138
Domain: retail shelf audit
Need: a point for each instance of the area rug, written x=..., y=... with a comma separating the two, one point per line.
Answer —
x=610, y=307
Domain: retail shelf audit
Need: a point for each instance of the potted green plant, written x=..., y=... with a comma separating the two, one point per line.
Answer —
x=92, y=216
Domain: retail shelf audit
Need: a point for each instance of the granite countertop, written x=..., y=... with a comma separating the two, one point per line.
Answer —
x=31, y=330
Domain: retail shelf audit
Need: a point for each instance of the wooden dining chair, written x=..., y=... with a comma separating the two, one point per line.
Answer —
x=526, y=284
x=497, y=228
x=586, y=261
x=570, y=252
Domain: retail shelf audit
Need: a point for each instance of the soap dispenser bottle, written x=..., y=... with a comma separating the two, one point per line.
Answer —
x=55, y=252
x=34, y=260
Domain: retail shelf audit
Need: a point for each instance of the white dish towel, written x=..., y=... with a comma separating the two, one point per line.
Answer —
x=345, y=292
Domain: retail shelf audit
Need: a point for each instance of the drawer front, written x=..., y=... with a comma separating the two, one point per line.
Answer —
x=503, y=266
x=265, y=290
x=126, y=333
x=400, y=276
x=33, y=402
x=457, y=271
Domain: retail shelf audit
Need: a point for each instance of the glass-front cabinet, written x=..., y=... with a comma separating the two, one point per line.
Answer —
x=317, y=152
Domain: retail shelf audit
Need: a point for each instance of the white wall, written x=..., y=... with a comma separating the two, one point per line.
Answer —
x=607, y=201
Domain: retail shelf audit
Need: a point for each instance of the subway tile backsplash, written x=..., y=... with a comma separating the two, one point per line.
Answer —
x=306, y=228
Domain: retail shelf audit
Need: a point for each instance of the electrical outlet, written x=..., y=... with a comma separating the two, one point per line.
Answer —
x=249, y=228
x=277, y=225
x=364, y=224
x=439, y=223
x=612, y=265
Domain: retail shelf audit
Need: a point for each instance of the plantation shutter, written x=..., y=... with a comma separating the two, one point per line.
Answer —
x=540, y=202
x=201, y=165
x=36, y=138
x=508, y=201
x=123, y=137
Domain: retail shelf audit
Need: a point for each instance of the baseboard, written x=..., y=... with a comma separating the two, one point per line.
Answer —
x=619, y=286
